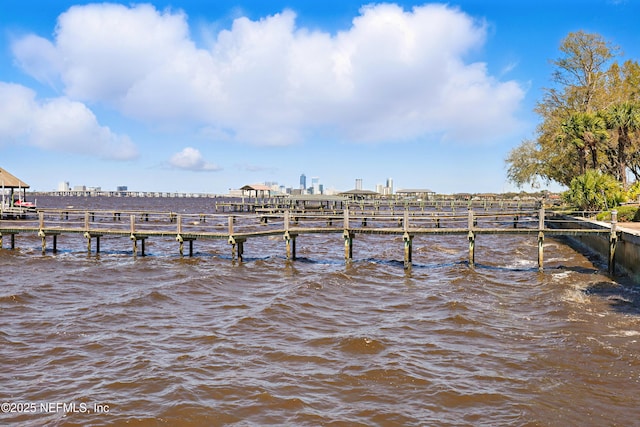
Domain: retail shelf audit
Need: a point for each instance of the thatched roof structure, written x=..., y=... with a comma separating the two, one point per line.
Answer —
x=9, y=181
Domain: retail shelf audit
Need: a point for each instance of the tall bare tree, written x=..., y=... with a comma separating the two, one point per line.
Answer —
x=580, y=82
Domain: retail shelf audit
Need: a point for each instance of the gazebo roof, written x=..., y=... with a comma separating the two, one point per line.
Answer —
x=9, y=181
x=256, y=187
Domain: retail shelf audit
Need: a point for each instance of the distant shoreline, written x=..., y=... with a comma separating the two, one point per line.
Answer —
x=165, y=194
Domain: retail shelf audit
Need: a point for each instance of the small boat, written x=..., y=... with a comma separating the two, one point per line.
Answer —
x=19, y=203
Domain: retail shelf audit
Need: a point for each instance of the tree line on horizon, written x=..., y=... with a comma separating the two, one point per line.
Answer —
x=589, y=133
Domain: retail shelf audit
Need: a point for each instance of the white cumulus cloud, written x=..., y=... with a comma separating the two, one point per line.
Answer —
x=191, y=159
x=57, y=124
x=393, y=75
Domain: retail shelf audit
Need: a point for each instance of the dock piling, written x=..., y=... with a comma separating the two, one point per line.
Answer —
x=472, y=239
x=408, y=245
x=348, y=245
x=290, y=241
x=541, y=239
x=613, y=239
x=237, y=248
x=135, y=240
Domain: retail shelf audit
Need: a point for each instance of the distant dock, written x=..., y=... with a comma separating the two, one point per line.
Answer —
x=101, y=193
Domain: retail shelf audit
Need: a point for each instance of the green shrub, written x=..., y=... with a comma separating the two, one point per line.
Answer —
x=625, y=214
x=633, y=192
x=593, y=191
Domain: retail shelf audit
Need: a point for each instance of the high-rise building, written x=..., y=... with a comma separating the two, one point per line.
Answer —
x=303, y=182
x=315, y=184
x=358, y=183
x=389, y=189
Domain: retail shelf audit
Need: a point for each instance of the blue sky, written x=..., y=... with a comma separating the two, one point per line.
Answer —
x=207, y=96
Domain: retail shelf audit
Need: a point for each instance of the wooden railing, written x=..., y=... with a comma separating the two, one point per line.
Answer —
x=238, y=228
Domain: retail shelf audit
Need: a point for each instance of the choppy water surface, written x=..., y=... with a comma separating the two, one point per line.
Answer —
x=110, y=339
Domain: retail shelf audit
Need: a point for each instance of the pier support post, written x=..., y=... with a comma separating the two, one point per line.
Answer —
x=541, y=239
x=142, y=246
x=237, y=248
x=540, y=251
x=135, y=240
x=348, y=245
x=181, y=240
x=54, y=236
x=135, y=237
x=408, y=241
x=88, y=236
x=290, y=240
x=472, y=239
x=346, y=219
x=240, y=243
x=348, y=237
x=41, y=233
x=613, y=240
x=408, y=245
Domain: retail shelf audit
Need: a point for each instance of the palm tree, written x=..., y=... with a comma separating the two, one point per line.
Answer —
x=586, y=131
x=624, y=118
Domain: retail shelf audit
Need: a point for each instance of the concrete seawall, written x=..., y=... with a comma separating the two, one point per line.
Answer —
x=627, y=257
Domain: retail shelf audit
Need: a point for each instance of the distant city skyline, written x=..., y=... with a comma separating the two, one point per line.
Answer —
x=316, y=187
x=192, y=96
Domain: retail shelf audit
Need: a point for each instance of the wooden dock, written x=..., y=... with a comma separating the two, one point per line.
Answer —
x=15, y=211
x=236, y=229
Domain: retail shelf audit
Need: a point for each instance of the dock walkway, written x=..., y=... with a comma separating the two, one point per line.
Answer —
x=236, y=228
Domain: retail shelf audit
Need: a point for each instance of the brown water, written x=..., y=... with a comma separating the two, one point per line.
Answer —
x=110, y=339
